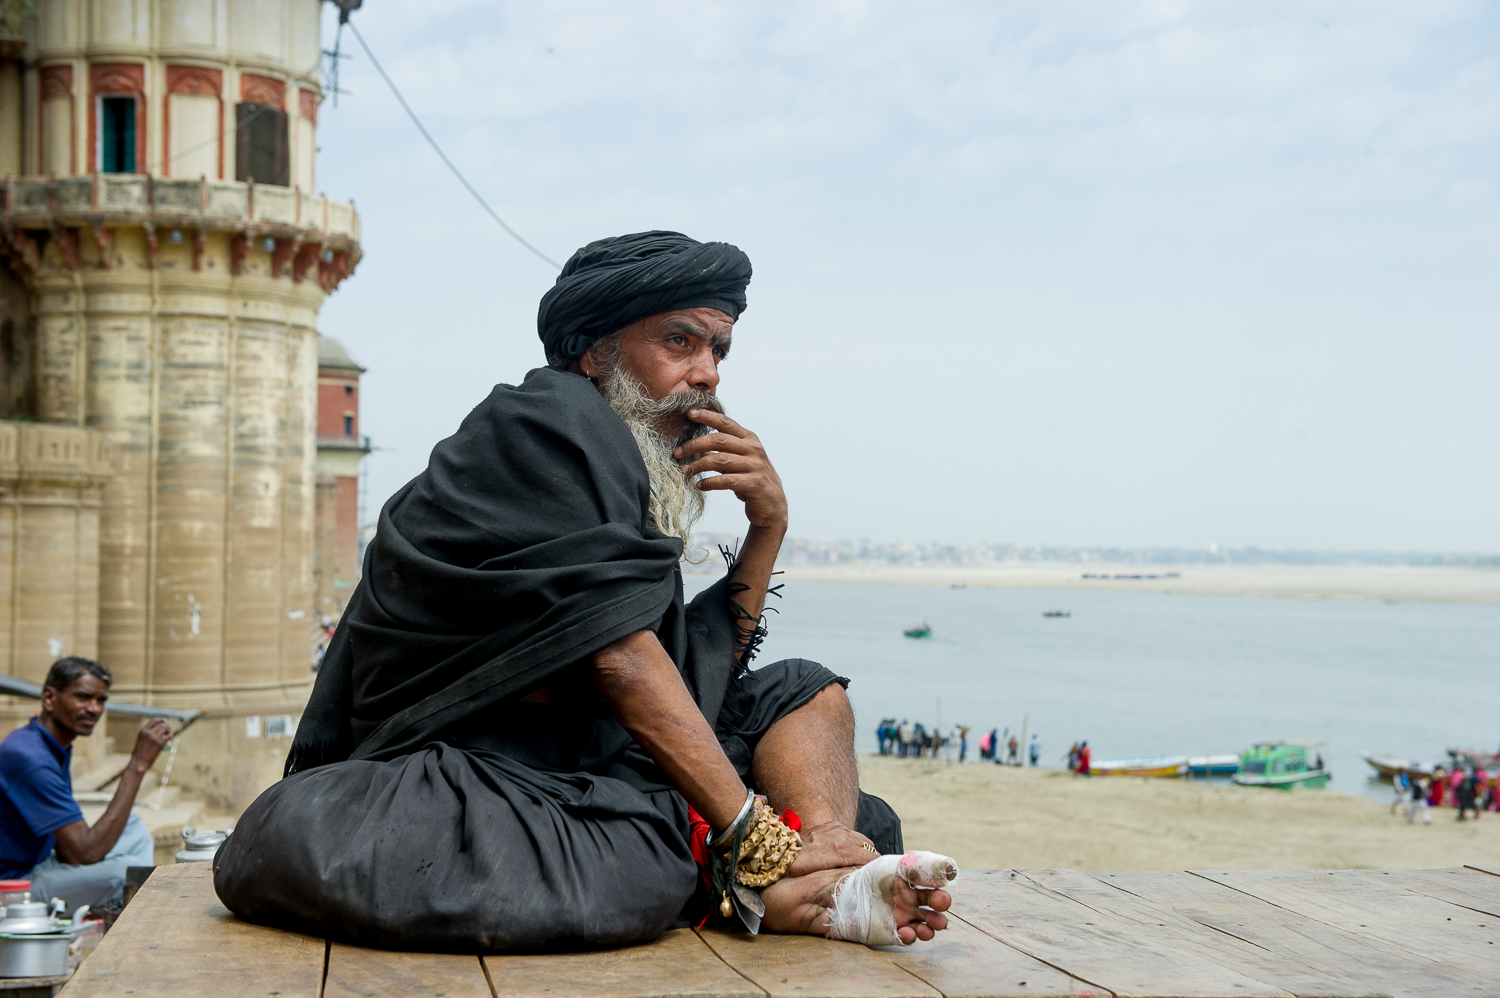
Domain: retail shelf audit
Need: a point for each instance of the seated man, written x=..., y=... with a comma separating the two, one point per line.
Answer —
x=521, y=735
x=43, y=837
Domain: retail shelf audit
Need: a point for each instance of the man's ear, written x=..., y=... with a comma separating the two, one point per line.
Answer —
x=588, y=366
x=49, y=698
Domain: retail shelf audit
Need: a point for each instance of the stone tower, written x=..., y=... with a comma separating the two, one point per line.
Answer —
x=165, y=257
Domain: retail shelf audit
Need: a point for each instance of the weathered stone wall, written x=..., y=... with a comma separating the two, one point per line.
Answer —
x=204, y=383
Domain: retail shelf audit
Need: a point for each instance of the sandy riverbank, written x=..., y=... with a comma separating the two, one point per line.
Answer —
x=990, y=817
x=1403, y=583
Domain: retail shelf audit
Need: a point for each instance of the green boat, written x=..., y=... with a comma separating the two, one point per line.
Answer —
x=1282, y=765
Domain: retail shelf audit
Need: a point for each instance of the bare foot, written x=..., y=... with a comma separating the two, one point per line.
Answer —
x=800, y=905
x=919, y=912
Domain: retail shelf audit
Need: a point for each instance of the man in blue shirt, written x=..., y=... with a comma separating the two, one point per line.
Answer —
x=43, y=837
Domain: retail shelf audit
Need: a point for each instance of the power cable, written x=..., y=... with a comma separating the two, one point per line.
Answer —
x=442, y=155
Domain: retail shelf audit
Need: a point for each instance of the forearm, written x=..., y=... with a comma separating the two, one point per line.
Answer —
x=648, y=698
x=753, y=569
x=93, y=844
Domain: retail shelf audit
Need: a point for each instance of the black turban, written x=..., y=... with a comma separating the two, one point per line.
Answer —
x=613, y=282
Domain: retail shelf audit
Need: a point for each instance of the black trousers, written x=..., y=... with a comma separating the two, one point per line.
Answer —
x=462, y=849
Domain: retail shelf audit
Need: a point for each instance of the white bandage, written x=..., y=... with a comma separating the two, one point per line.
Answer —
x=864, y=910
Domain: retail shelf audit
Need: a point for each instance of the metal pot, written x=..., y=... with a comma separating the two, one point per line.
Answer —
x=200, y=847
x=33, y=941
x=36, y=955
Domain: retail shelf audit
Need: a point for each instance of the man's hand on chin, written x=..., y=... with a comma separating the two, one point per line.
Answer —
x=742, y=467
x=832, y=845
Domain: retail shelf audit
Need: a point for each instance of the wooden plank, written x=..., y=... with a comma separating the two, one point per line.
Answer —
x=371, y=973
x=678, y=965
x=176, y=939
x=1347, y=900
x=1365, y=965
x=1466, y=888
x=962, y=962
x=810, y=967
x=1167, y=928
x=1098, y=948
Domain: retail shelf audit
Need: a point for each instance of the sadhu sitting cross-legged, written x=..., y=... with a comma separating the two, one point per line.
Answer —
x=522, y=736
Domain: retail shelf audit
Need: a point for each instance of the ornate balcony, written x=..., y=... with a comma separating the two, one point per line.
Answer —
x=307, y=230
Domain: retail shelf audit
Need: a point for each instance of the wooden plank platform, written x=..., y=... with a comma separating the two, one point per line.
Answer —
x=1319, y=934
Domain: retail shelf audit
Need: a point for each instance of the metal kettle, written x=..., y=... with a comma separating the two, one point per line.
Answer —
x=200, y=846
x=33, y=918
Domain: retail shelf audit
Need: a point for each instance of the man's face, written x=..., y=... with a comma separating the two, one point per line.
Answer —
x=79, y=707
x=675, y=352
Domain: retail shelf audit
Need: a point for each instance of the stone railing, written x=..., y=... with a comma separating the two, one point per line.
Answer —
x=299, y=229
x=121, y=197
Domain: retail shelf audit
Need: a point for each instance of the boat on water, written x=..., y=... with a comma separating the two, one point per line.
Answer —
x=1282, y=765
x=1166, y=765
x=925, y=631
x=1057, y=613
x=1388, y=766
x=1474, y=758
x=1213, y=765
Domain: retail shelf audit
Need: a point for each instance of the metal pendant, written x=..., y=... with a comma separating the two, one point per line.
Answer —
x=750, y=908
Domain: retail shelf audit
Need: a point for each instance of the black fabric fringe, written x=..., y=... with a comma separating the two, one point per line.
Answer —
x=749, y=631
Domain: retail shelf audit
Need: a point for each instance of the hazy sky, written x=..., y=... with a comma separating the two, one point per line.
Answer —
x=1171, y=273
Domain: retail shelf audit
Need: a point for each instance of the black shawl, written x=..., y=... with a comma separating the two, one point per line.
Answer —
x=525, y=547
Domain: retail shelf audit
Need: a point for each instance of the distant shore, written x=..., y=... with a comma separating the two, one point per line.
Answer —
x=1400, y=583
x=997, y=817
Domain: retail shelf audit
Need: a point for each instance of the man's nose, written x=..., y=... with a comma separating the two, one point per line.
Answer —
x=705, y=373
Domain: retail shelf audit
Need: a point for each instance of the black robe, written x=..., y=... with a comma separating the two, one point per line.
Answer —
x=425, y=806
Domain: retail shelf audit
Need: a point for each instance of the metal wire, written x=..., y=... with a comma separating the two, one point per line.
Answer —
x=442, y=155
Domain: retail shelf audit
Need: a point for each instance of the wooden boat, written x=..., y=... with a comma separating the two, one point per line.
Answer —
x=1388, y=766
x=1168, y=765
x=1281, y=765
x=1057, y=613
x=925, y=631
x=1213, y=765
x=1474, y=758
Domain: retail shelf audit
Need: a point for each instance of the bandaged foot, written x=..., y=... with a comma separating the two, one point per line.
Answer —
x=864, y=906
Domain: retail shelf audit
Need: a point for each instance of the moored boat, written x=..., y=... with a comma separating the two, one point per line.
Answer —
x=925, y=631
x=1474, y=758
x=1169, y=765
x=1213, y=765
x=1282, y=765
x=1388, y=766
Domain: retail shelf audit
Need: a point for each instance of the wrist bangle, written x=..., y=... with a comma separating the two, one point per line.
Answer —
x=728, y=832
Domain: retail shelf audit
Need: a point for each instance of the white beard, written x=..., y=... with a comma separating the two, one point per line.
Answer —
x=676, y=502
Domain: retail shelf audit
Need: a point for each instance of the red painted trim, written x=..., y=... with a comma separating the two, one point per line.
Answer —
x=118, y=79
x=255, y=89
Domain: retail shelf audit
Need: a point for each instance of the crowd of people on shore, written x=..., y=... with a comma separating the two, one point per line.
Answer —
x=906, y=740
x=1469, y=790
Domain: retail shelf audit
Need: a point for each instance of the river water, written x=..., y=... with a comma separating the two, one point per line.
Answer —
x=1157, y=674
